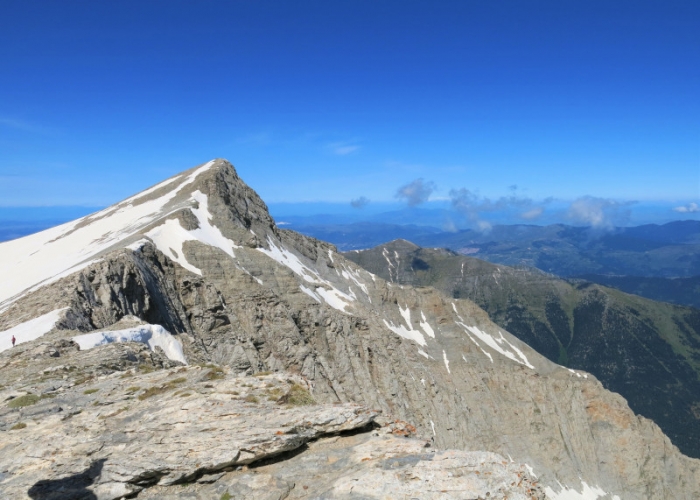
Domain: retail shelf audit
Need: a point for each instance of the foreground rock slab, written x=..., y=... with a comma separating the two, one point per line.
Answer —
x=369, y=466
x=123, y=432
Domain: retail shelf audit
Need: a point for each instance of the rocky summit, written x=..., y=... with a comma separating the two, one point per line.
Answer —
x=180, y=345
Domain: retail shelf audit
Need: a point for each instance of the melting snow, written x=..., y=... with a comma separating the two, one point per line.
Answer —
x=331, y=295
x=334, y=298
x=170, y=236
x=447, y=362
x=579, y=375
x=401, y=331
x=587, y=493
x=406, y=313
x=426, y=326
x=288, y=259
x=532, y=472
x=30, y=330
x=423, y=353
x=152, y=335
x=494, y=343
x=310, y=293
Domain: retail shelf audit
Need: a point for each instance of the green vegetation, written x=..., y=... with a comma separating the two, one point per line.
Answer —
x=251, y=398
x=215, y=373
x=22, y=401
x=90, y=391
x=153, y=391
x=298, y=395
x=18, y=426
x=226, y=496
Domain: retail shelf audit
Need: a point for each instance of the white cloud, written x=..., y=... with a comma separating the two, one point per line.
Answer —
x=690, y=208
x=532, y=214
x=599, y=213
x=416, y=192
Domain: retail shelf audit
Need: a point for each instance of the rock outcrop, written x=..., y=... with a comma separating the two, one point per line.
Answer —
x=200, y=256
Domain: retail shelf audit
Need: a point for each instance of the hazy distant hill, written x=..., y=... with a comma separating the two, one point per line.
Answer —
x=681, y=291
x=647, y=351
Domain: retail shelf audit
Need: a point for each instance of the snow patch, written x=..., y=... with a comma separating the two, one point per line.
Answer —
x=447, y=362
x=423, y=353
x=310, y=293
x=401, y=331
x=426, y=326
x=433, y=427
x=530, y=470
x=30, y=330
x=495, y=344
x=587, y=493
x=169, y=238
x=579, y=375
x=151, y=335
x=406, y=313
x=334, y=298
x=288, y=259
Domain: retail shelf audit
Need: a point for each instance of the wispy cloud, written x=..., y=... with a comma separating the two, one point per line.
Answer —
x=690, y=208
x=343, y=148
x=360, y=202
x=473, y=207
x=599, y=213
x=416, y=192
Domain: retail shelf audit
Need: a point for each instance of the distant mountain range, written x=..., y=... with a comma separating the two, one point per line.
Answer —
x=651, y=251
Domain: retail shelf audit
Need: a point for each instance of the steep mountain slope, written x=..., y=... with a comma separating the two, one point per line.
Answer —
x=200, y=256
x=647, y=351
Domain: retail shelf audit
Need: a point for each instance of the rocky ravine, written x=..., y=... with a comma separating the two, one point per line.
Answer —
x=199, y=255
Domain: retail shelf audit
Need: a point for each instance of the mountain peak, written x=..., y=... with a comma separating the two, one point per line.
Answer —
x=195, y=204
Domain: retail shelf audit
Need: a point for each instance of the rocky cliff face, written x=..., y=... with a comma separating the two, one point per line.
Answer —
x=647, y=351
x=200, y=256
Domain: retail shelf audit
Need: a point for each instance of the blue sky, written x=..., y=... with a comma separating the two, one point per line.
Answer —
x=490, y=103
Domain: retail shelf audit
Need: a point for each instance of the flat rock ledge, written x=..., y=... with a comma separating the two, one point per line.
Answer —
x=124, y=432
x=199, y=432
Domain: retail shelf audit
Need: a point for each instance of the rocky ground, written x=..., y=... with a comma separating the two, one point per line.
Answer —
x=121, y=421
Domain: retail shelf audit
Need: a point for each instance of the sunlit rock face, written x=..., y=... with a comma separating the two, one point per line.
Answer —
x=198, y=262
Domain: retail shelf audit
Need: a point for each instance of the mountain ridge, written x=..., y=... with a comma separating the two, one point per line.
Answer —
x=215, y=271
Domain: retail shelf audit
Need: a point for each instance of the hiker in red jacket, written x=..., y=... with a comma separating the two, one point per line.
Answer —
x=13, y=340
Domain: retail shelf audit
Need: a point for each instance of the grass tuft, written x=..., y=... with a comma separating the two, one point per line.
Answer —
x=22, y=401
x=298, y=395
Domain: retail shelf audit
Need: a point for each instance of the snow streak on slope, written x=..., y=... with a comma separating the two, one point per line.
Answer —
x=402, y=331
x=30, y=330
x=44, y=257
x=151, y=335
x=324, y=288
x=170, y=237
x=587, y=493
x=499, y=344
